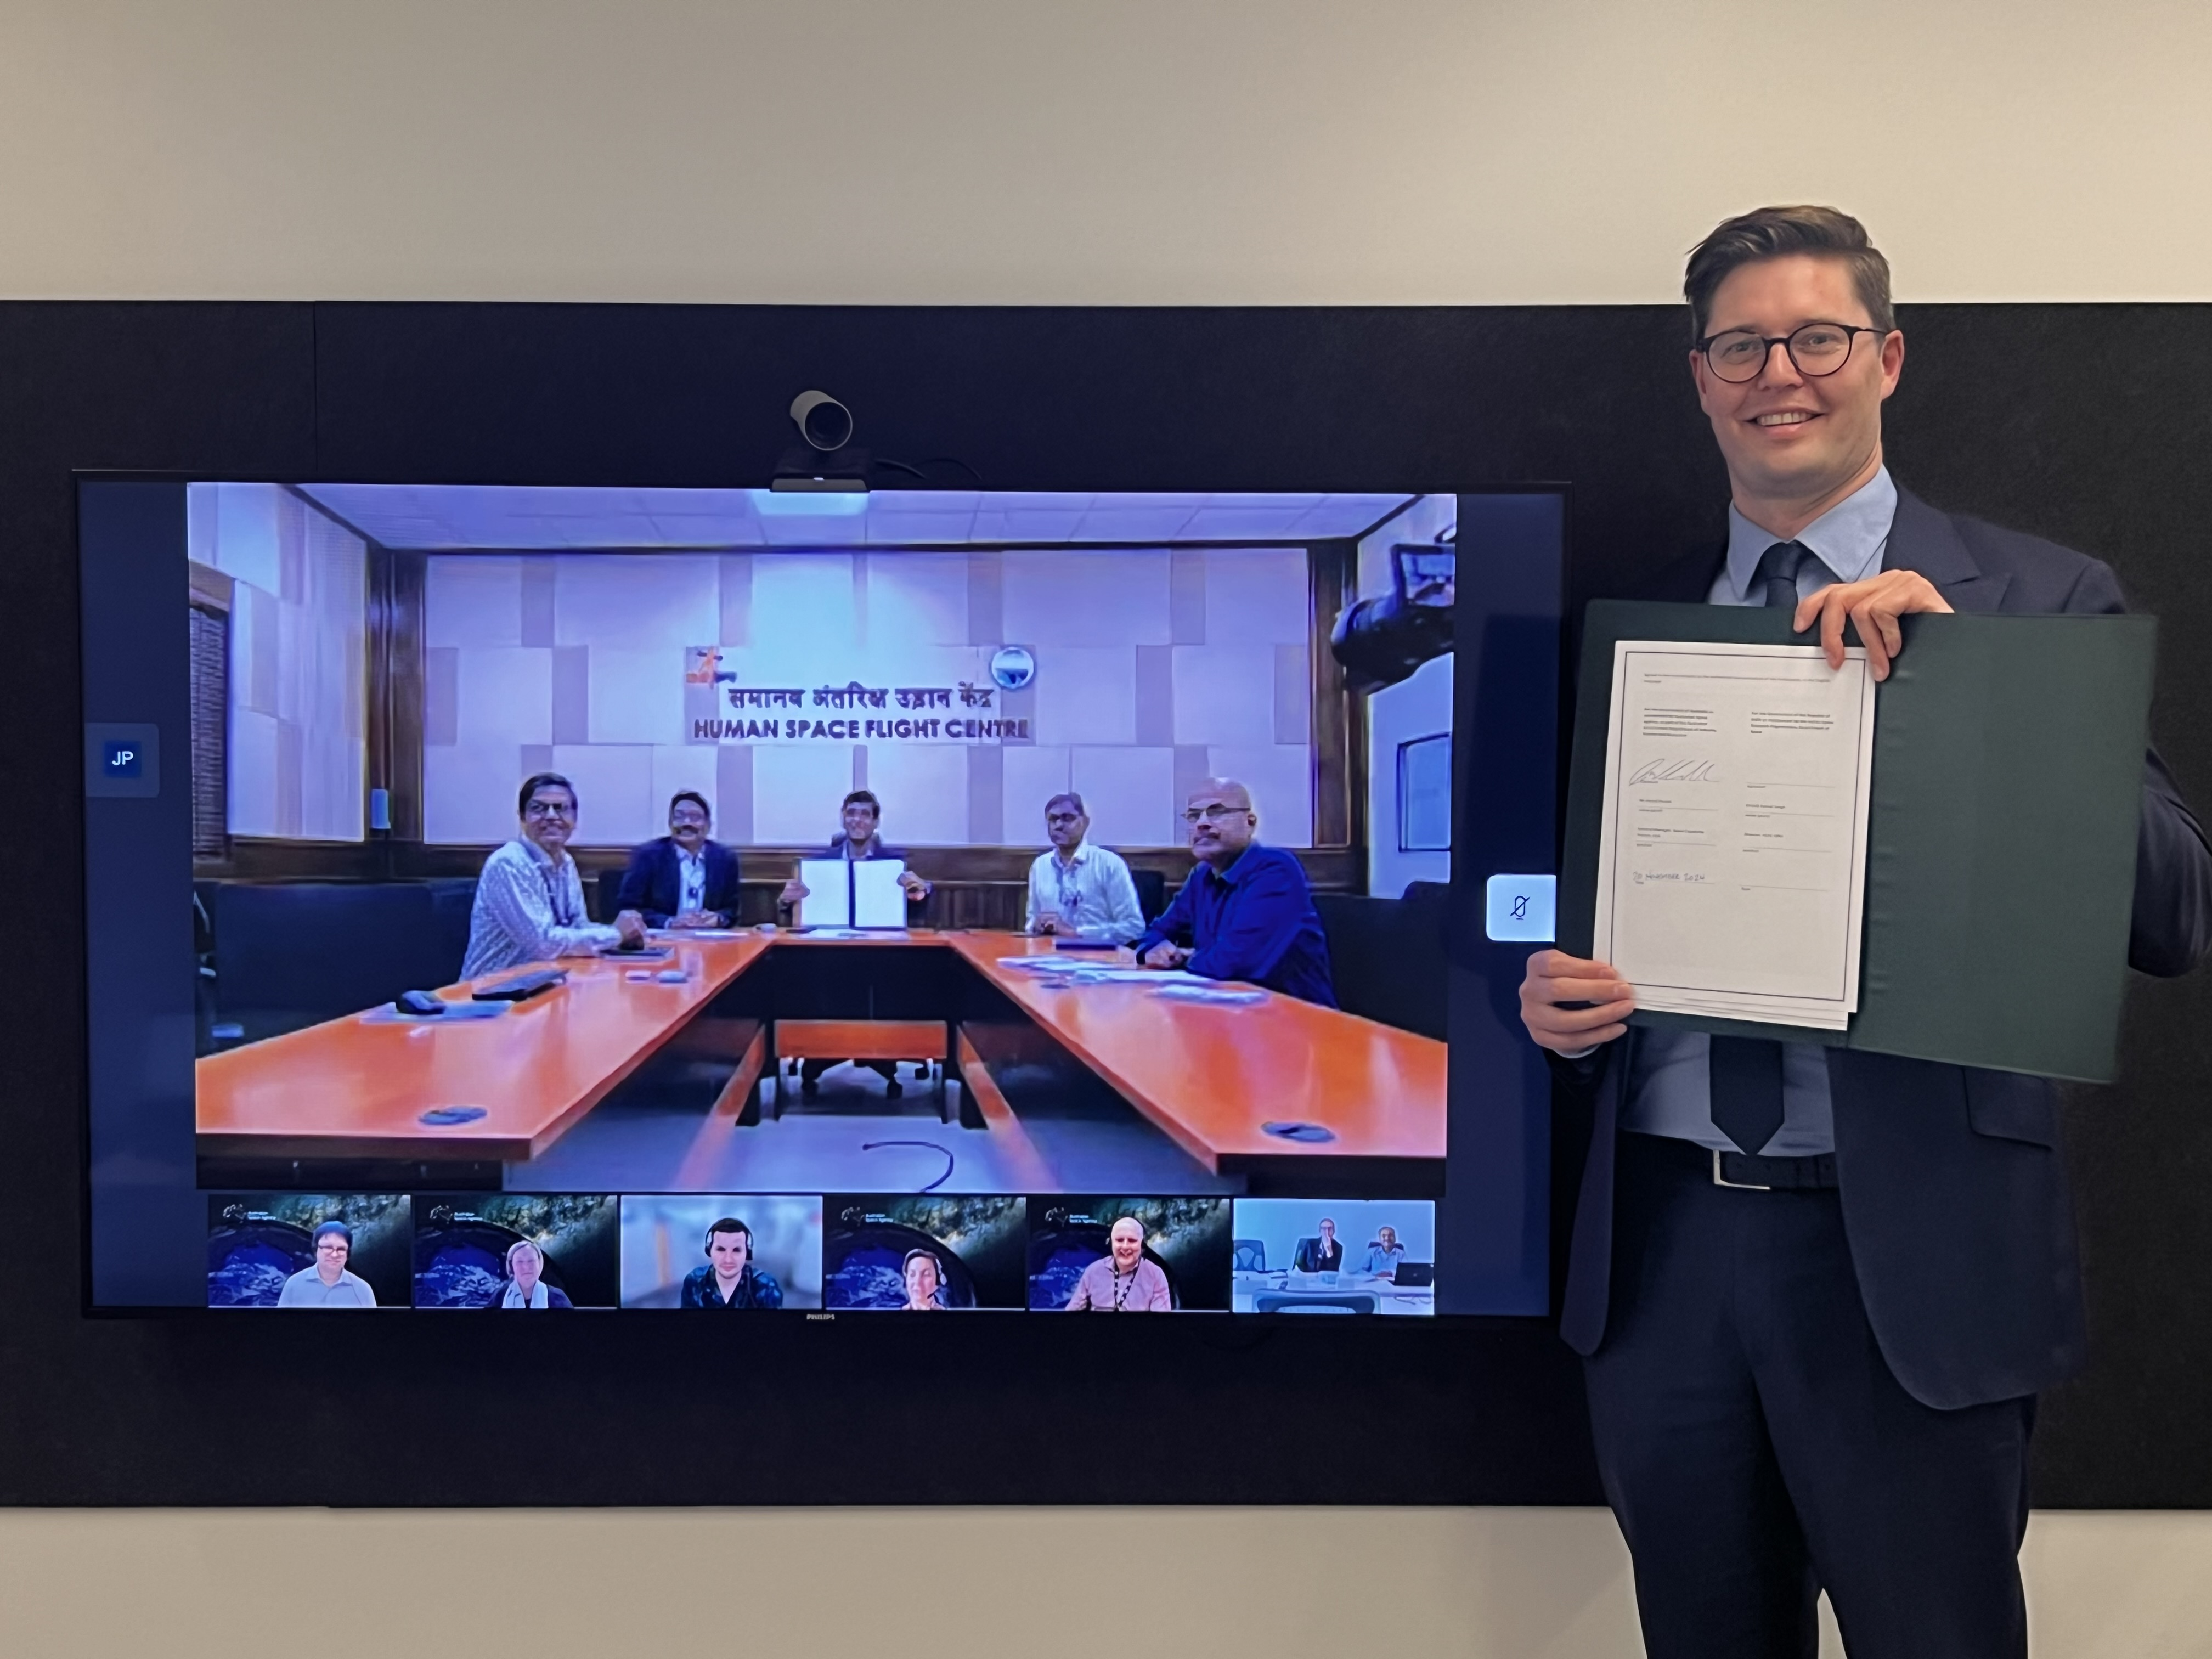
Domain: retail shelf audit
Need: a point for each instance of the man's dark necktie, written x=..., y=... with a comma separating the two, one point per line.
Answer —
x=1746, y=1071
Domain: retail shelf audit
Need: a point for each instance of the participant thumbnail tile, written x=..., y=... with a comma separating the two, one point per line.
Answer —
x=923, y=1253
x=308, y=1250
x=1333, y=1256
x=516, y=1251
x=731, y=1250
x=1128, y=1254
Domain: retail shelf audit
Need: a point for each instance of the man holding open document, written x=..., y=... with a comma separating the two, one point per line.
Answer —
x=1818, y=1288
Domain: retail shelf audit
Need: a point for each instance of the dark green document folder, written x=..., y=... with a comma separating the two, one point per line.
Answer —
x=2001, y=851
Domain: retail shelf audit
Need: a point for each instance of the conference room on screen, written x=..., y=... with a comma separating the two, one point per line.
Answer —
x=704, y=856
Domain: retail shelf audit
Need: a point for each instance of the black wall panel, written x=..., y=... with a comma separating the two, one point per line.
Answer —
x=2087, y=424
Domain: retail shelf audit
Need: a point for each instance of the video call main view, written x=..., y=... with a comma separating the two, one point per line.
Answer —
x=528, y=898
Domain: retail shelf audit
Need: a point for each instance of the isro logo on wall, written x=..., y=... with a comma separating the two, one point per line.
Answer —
x=1012, y=667
x=706, y=667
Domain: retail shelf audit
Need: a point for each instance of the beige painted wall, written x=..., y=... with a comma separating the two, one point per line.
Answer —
x=826, y=1585
x=1262, y=151
x=1212, y=151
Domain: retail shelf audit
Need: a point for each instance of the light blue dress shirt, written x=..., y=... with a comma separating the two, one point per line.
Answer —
x=1381, y=1260
x=1670, y=1078
x=1096, y=894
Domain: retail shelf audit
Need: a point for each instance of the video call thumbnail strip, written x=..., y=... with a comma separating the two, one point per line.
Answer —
x=843, y=1253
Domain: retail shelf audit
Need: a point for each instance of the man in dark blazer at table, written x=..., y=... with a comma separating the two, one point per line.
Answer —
x=1818, y=1290
x=684, y=879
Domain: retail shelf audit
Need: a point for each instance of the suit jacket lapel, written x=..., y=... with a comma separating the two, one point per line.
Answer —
x=1926, y=541
x=1688, y=579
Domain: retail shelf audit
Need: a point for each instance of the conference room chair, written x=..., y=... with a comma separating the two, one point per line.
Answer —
x=290, y=955
x=600, y=891
x=453, y=903
x=1152, y=892
x=1387, y=956
x=1351, y=1302
x=1248, y=1255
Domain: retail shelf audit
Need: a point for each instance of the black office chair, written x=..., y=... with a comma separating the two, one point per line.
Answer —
x=601, y=900
x=1248, y=1255
x=1387, y=956
x=293, y=954
x=1351, y=1302
x=1151, y=893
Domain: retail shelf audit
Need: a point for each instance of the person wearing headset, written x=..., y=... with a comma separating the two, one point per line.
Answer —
x=925, y=1282
x=526, y=1286
x=729, y=1279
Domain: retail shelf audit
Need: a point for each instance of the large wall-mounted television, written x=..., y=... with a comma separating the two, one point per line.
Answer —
x=490, y=898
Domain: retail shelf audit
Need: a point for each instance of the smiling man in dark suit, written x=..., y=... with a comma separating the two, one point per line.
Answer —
x=1818, y=1290
x=683, y=880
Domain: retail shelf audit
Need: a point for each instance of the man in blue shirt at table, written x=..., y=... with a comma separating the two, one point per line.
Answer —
x=1246, y=909
x=1384, y=1254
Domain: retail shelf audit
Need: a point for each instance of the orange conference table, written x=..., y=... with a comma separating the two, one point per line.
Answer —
x=1213, y=1078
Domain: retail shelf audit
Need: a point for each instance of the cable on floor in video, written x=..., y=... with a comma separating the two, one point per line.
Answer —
x=871, y=1145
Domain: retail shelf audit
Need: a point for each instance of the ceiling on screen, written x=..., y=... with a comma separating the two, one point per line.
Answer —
x=455, y=517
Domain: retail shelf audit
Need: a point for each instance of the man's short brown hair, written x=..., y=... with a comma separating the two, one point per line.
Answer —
x=1770, y=233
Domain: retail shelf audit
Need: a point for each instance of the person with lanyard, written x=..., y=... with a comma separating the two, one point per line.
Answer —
x=1078, y=890
x=1384, y=1254
x=684, y=879
x=1818, y=1290
x=529, y=901
x=857, y=840
x=328, y=1284
x=1122, y=1280
x=729, y=1279
x=525, y=1287
x=1321, y=1255
x=1247, y=910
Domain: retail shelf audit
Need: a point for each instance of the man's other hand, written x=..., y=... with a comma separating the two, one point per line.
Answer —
x=1875, y=605
x=1554, y=978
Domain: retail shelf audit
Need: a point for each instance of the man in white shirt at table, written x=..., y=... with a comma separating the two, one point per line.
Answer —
x=530, y=900
x=1078, y=890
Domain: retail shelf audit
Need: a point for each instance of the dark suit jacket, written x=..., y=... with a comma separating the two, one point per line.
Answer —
x=653, y=885
x=1952, y=1185
x=1310, y=1258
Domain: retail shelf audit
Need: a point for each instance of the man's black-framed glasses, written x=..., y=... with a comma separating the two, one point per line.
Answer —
x=1817, y=349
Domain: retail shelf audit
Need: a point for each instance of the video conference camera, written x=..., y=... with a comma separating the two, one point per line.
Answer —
x=828, y=462
x=825, y=424
x=1380, y=641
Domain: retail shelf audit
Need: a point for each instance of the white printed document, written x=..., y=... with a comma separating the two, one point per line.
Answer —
x=1732, y=859
x=852, y=893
